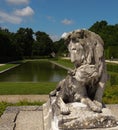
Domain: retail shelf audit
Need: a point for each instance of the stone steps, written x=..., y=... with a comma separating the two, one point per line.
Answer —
x=32, y=118
x=22, y=118
x=29, y=120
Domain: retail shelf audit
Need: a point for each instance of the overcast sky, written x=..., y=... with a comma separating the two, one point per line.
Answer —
x=56, y=16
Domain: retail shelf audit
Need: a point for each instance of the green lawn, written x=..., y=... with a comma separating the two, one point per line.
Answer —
x=65, y=62
x=9, y=88
x=111, y=94
x=7, y=66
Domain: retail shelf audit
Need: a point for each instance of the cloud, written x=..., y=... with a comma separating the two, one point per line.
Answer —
x=5, y=17
x=28, y=11
x=17, y=2
x=64, y=35
x=67, y=21
x=54, y=37
x=17, y=16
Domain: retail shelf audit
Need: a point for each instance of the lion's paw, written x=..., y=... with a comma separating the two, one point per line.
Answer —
x=96, y=106
x=65, y=110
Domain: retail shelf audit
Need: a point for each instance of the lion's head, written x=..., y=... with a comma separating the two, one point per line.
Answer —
x=85, y=47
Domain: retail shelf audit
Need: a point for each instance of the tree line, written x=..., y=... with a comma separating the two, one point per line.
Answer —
x=109, y=34
x=26, y=43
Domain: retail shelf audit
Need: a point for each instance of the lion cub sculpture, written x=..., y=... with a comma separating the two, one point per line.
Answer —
x=86, y=82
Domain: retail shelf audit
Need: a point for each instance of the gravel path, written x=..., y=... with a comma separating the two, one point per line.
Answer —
x=18, y=98
x=2, y=64
x=111, y=61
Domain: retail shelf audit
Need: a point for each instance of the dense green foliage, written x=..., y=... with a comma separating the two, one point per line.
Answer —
x=109, y=34
x=60, y=48
x=26, y=43
x=43, y=45
x=23, y=43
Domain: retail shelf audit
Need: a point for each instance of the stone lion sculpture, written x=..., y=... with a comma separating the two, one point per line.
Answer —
x=86, y=82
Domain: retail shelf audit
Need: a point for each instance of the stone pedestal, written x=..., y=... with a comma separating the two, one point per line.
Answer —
x=81, y=117
x=43, y=118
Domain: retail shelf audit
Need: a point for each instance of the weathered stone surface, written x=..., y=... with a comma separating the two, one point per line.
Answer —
x=22, y=108
x=11, y=114
x=29, y=120
x=80, y=117
x=83, y=118
x=114, y=110
x=7, y=121
x=7, y=126
x=47, y=115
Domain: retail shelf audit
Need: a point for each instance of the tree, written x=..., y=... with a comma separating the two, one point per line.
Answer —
x=5, y=45
x=60, y=48
x=43, y=44
x=36, y=48
x=24, y=38
x=98, y=26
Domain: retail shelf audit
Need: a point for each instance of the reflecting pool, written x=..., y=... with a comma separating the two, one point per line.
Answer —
x=34, y=71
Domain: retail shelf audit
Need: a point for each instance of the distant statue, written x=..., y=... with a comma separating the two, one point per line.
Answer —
x=86, y=82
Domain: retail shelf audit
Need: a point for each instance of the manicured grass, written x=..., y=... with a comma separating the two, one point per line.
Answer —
x=113, y=78
x=113, y=67
x=111, y=95
x=6, y=66
x=3, y=105
x=9, y=88
x=11, y=64
x=65, y=62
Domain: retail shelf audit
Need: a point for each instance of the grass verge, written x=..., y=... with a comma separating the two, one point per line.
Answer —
x=65, y=62
x=11, y=65
x=7, y=66
x=3, y=105
x=110, y=94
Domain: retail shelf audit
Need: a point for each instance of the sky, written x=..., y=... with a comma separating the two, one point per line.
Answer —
x=56, y=16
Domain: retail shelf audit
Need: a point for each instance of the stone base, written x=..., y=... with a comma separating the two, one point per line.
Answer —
x=81, y=117
x=39, y=118
x=22, y=118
